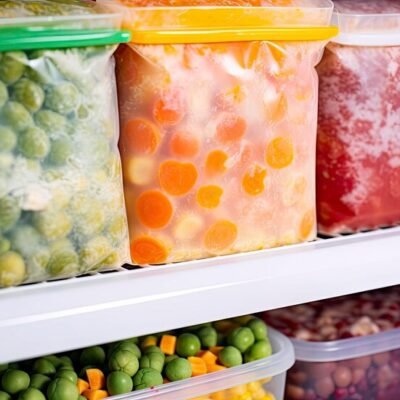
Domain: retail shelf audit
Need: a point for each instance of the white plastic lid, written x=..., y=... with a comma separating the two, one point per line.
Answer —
x=367, y=22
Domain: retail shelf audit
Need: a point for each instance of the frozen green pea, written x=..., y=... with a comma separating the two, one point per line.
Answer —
x=50, y=121
x=188, y=345
x=62, y=389
x=95, y=252
x=53, y=359
x=152, y=360
x=208, y=336
x=125, y=345
x=29, y=94
x=119, y=382
x=17, y=116
x=258, y=327
x=66, y=368
x=94, y=355
x=60, y=151
x=178, y=369
x=5, y=245
x=170, y=358
x=8, y=139
x=4, y=396
x=12, y=66
x=44, y=367
x=230, y=356
x=3, y=94
x=241, y=338
x=53, y=224
x=153, y=349
x=34, y=143
x=25, y=239
x=15, y=381
x=65, y=360
x=125, y=361
x=67, y=374
x=4, y=367
x=63, y=98
x=259, y=350
x=147, y=378
x=31, y=394
x=63, y=262
x=39, y=381
x=12, y=269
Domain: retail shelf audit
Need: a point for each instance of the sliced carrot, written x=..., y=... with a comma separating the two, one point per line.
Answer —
x=307, y=224
x=154, y=209
x=220, y=236
x=253, y=181
x=177, y=178
x=216, y=349
x=280, y=153
x=82, y=385
x=208, y=357
x=168, y=344
x=147, y=250
x=94, y=394
x=140, y=136
x=209, y=196
x=215, y=368
x=96, y=378
x=231, y=128
x=199, y=366
x=169, y=110
x=184, y=144
x=215, y=162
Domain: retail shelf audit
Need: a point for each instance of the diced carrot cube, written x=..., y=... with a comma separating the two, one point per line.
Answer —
x=216, y=349
x=96, y=378
x=94, y=394
x=214, y=368
x=168, y=344
x=82, y=385
x=199, y=367
x=208, y=357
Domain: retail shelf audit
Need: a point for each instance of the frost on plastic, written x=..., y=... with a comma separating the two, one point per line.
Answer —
x=218, y=147
x=61, y=202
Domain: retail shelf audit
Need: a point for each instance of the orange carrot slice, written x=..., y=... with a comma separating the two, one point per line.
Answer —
x=253, y=181
x=208, y=357
x=280, y=153
x=96, y=378
x=184, y=144
x=82, y=385
x=168, y=344
x=307, y=224
x=169, y=110
x=147, y=250
x=199, y=366
x=154, y=209
x=215, y=162
x=220, y=236
x=94, y=394
x=177, y=178
x=231, y=128
x=209, y=196
x=140, y=136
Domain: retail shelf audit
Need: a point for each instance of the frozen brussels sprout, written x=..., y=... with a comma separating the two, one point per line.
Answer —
x=10, y=212
x=17, y=116
x=125, y=361
x=53, y=224
x=5, y=245
x=63, y=262
x=25, y=239
x=117, y=228
x=63, y=98
x=12, y=66
x=92, y=221
x=3, y=94
x=29, y=94
x=60, y=152
x=12, y=269
x=94, y=253
x=38, y=260
x=50, y=121
x=34, y=143
x=147, y=378
x=8, y=139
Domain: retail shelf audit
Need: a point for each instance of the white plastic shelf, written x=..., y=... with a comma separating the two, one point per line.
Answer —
x=57, y=316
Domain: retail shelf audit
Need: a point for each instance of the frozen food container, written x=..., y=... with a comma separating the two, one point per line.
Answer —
x=358, y=156
x=61, y=198
x=347, y=349
x=218, y=111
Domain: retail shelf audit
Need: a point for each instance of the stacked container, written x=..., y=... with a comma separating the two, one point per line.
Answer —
x=358, y=160
x=218, y=109
x=61, y=199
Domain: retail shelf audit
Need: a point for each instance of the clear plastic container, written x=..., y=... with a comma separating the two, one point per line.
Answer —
x=218, y=109
x=358, y=152
x=61, y=198
x=258, y=380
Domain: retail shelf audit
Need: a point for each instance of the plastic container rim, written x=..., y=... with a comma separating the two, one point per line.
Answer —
x=279, y=362
x=346, y=349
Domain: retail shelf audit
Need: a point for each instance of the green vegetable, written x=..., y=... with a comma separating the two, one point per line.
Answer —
x=152, y=360
x=29, y=94
x=259, y=328
x=125, y=361
x=67, y=374
x=119, y=382
x=259, y=350
x=153, y=349
x=12, y=269
x=31, y=394
x=147, y=378
x=17, y=116
x=178, y=369
x=125, y=345
x=38, y=260
x=117, y=228
x=53, y=359
x=63, y=262
x=34, y=143
x=65, y=360
x=208, y=336
x=92, y=221
x=39, y=381
x=230, y=357
x=63, y=98
x=93, y=356
x=15, y=381
x=242, y=338
x=3, y=94
x=53, y=224
x=5, y=245
x=4, y=396
x=95, y=252
x=170, y=358
x=188, y=345
x=44, y=367
x=25, y=239
x=10, y=213
x=62, y=389
x=8, y=139
x=12, y=66
x=50, y=121
x=60, y=152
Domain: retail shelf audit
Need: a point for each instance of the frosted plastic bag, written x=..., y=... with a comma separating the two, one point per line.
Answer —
x=61, y=198
x=218, y=127
x=358, y=161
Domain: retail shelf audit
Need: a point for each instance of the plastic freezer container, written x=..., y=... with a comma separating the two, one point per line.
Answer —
x=358, y=158
x=61, y=198
x=218, y=110
x=258, y=380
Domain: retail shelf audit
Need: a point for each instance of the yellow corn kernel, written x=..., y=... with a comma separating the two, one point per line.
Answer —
x=265, y=380
x=259, y=394
x=254, y=386
x=218, y=395
x=238, y=390
x=268, y=396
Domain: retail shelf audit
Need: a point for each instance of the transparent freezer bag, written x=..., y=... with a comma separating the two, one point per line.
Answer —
x=217, y=139
x=61, y=198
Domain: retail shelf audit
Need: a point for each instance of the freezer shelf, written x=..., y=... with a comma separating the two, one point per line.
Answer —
x=57, y=316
